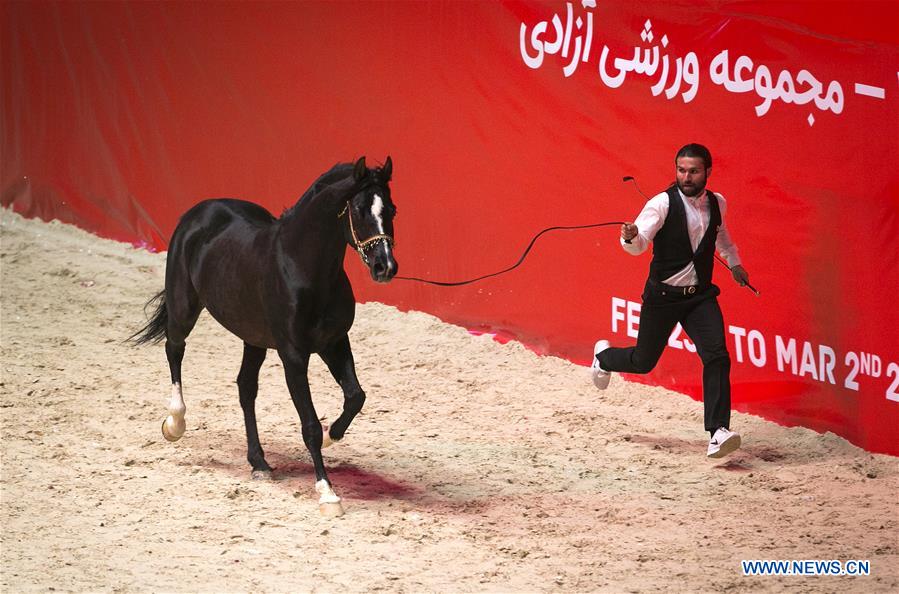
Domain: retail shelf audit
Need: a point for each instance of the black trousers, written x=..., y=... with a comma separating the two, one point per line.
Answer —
x=701, y=318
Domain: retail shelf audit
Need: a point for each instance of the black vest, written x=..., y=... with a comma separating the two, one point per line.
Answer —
x=671, y=247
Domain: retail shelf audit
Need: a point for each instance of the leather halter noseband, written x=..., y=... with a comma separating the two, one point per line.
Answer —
x=362, y=246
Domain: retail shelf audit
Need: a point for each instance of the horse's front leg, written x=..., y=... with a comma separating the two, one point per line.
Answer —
x=339, y=359
x=296, y=367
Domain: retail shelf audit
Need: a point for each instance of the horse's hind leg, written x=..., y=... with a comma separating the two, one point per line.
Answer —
x=248, y=387
x=339, y=359
x=183, y=308
x=173, y=426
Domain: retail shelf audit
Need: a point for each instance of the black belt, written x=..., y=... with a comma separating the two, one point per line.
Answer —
x=664, y=289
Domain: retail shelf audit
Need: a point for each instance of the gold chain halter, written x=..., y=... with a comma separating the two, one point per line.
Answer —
x=361, y=246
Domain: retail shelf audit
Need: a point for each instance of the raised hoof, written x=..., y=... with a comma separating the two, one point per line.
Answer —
x=330, y=510
x=261, y=475
x=326, y=437
x=168, y=433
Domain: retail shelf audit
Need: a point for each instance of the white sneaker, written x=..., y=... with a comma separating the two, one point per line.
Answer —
x=601, y=377
x=723, y=442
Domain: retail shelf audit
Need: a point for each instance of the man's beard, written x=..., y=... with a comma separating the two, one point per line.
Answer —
x=695, y=190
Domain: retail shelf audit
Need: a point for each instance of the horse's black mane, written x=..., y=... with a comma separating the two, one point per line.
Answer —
x=338, y=172
x=328, y=179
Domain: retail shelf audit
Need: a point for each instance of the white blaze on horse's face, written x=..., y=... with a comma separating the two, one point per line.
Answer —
x=383, y=265
x=377, y=211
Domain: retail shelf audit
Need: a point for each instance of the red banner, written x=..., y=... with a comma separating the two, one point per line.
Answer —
x=503, y=119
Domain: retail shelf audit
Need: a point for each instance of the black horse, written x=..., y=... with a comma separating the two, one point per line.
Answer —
x=278, y=284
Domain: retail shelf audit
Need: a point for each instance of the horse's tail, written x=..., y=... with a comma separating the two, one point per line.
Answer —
x=155, y=329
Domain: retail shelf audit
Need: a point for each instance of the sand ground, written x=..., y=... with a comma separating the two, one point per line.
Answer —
x=474, y=466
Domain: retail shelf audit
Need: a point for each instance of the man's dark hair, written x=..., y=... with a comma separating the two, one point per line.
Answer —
x=695, y=150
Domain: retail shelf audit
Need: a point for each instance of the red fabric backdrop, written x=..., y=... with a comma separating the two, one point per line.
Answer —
x=118, y=117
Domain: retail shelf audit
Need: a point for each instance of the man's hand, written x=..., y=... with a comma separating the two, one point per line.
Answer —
x=740, y=275
x=628, y=231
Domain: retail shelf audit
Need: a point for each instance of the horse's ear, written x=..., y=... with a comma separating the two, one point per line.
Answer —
x=359, y=169
x=388, y=168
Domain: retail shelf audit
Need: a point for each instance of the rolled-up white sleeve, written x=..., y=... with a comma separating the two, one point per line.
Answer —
x=725, y=244
x=648, y=223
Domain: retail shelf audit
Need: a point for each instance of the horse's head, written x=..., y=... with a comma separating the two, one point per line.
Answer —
x=369, y=213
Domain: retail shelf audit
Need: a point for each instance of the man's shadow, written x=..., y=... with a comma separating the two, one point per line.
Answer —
x=746, y=459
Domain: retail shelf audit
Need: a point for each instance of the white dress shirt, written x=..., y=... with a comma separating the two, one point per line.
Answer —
x=652, y=217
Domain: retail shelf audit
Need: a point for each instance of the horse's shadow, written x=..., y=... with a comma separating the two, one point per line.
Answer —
x=350, y=480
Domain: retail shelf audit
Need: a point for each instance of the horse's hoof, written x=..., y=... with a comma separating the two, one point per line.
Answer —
x=261, y=475
x=170, y=433
x=326, y=437
x=330, y=509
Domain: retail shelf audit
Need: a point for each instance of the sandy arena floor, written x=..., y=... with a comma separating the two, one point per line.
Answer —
x=474, y=467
